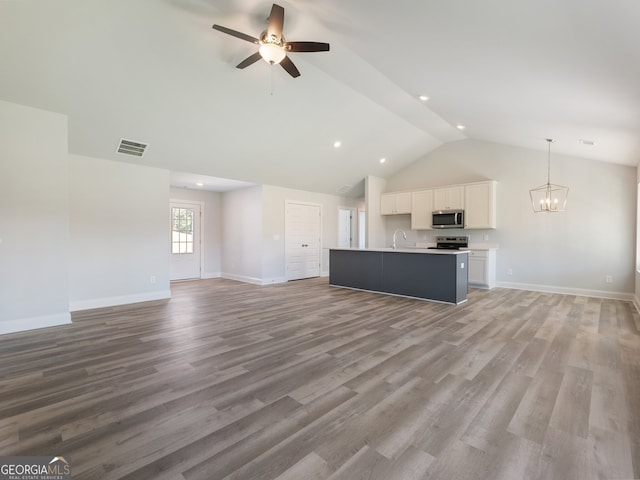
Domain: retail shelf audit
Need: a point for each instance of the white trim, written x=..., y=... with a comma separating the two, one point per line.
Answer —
x=567, y=291
x=31, y=323
x=636, y=303
x=119, y=300
x=254, y=280
x=191, y=202
x=209, y=275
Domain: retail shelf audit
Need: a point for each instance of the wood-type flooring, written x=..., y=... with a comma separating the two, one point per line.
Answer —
x=303, y=381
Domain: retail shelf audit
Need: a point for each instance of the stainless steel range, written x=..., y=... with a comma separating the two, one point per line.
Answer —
x=457, y=242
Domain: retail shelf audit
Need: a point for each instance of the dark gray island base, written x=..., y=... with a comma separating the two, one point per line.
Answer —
x=429, y=275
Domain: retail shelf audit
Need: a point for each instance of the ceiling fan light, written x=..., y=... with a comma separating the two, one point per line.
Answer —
x=272, y=53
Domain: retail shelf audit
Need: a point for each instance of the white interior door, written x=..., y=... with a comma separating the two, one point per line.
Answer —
x=302, y=243
x=345, y=228
x=185, y=241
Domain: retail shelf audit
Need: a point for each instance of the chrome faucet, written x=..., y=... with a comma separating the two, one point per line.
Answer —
x=404, y=235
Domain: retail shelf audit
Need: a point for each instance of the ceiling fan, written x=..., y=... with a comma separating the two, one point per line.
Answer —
x=273, y=47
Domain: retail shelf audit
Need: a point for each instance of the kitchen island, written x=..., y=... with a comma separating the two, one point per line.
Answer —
x=438, y=275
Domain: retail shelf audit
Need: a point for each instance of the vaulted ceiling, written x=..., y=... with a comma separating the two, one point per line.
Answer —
x=512, y=72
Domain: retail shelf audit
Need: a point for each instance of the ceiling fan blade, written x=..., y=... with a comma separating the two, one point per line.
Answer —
x=276, y=22
x=307, y=47
x=249, y=60
x=234, y=33
x=288, y=65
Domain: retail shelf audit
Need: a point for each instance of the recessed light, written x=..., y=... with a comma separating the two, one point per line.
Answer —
x=590, y=143
x=460, y=127
x=423, y=98
x=382, y=160
x=337, y=144
x=199, y=184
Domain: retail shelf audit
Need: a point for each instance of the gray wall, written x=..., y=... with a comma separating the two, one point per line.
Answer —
x=75, y=232
x=570, y=251
x=34, y=218
x=242, y=244
x=119, y=224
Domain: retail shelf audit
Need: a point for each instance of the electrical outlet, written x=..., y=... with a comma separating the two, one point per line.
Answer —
x=152, y=279
x=486, y=237
x=509, y=271
x=608, y=278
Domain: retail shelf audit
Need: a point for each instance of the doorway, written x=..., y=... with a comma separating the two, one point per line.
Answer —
x=346, y=227
x=302, y=239
x=186, y=257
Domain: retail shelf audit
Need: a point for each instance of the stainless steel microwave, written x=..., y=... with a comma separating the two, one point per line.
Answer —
x=447, y=219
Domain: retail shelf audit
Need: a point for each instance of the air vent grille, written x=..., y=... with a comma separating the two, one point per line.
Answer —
x=128, y=147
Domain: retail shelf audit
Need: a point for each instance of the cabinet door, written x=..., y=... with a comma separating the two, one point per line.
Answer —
x=403, y=202
x=387, y=204
x=456, y=198
x=449, y=198
x=478, y=268
x=421, y=210
x=480, y=205
x=440, y=199
x=395, y=203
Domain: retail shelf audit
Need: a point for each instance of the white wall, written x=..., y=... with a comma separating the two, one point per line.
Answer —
x=242, y=234
x=34, y=220
x=253, y=231
x=211, y=226
x=570, y=251
x=375, y=223
x=119, y=223
x=274, y=200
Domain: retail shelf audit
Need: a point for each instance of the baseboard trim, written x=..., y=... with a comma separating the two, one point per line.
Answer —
x=206, y=276
x=636, y=303
x=78, y=305
x=32, y=323
x=629, y=297
x=254, y=280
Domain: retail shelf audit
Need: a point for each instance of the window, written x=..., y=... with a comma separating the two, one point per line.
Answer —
x=181, y=230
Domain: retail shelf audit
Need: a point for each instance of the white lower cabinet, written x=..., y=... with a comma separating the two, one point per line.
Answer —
x=482, y=268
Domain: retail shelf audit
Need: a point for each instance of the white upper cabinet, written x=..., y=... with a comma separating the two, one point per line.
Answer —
x=395, y=203
x=421, y=210
x=448, y=198
x=478, y=200
x=480, y=205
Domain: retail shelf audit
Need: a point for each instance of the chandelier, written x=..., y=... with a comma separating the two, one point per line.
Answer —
x=549, y=197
